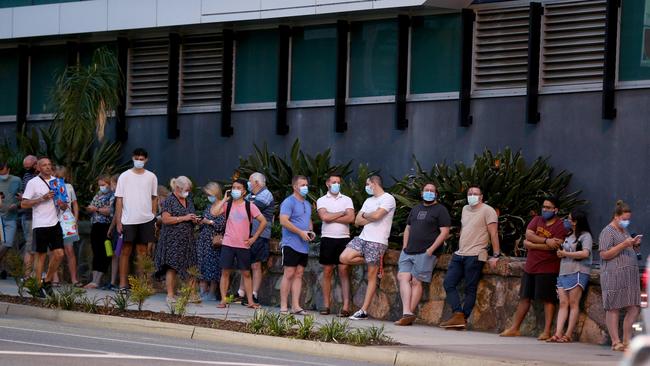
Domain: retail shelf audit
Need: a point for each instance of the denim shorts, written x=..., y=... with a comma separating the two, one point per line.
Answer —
x=570, y=281
x=419, y=266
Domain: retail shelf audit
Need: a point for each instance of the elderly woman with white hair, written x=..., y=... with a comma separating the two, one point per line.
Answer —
x=176, y=252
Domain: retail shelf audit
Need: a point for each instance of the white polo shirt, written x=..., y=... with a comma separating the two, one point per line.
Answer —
x=44, y=214
x=335, y=203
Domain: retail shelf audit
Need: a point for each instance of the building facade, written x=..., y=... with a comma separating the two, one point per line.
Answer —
x=377, y=80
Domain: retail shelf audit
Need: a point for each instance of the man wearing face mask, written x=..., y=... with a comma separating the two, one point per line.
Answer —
x=376, y=217
x=479, y=228
x=427, y=227
x=25, y=214
x=135, y=211
x=9, y=186
x=295, y=218
x=336, y=211
x=263, y=199
x=544, y=236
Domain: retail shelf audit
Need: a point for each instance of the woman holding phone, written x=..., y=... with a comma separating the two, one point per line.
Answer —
x=619, y=275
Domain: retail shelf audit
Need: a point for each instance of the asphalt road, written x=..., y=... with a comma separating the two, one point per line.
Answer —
x=27, y=342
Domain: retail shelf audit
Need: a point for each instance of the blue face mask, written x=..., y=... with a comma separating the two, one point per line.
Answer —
x=103, y=189
x=429, y=196
x=369, y=190
x=212, y=199
x=250, y=186
x=624, y=223
x=138, y=164
x=304, y=190
x=335, y=188
x=567, y=224
x=235, y=194
x=547, y=215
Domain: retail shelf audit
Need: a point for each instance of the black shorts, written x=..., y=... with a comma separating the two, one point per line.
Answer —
x=292, y=258
x=331, y=249
x=539, y=286
x=140, y=233
x=235, y=258
x=260, y=250
x=47, y=237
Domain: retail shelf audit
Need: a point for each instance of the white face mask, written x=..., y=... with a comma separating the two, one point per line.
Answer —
x=138, y=164
x=185, y=194
x=473, y=200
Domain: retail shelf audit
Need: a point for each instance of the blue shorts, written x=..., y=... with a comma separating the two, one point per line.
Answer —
x=570, y=281
x=260, y=250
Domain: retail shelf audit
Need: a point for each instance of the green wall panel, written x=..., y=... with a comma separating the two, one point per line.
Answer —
x=435, y=54
x=313, y=63
x=634, y=58
x=373, y=58
x=8, y=81
x=46, y=64
x=256, y=66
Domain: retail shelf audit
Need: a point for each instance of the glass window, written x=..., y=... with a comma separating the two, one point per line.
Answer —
x=256, y=66
x=313, y=63
x=8, y=81
x=634, y=58
x=47, y=63
x=373, y=58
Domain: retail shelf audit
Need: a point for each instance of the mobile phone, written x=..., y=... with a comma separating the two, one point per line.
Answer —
x=640, y=236
x=199, y=217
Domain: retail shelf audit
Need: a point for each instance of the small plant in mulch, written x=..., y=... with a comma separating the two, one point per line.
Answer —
x=32, y=286
x=121, y=301
x=16, y=267
x=90, y=305
x=334, y=330
x=179, y=307
x=64, y=298
x=141, y=286
x=305, y=328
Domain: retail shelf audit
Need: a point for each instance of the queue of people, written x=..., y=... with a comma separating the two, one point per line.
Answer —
x=234, y=232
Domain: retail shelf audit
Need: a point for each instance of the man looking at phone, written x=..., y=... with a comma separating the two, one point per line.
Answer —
x=295, y=218
x=45, y=223
x=135, y=211
x=544, y=236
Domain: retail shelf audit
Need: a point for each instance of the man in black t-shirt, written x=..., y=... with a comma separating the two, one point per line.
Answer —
x=427, y=227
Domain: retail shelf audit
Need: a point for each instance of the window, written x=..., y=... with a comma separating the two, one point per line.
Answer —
x=256, y=66
x=501, y=48
x=148, y=77
x=634, y=58
x=373, y=58
x=313, y=63
x=46, y=64
x=435, y=54
x=573, y=43
x=86, y=51
x=8, y=81
x=201, y=67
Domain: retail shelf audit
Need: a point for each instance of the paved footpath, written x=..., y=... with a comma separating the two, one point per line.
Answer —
x=423, y=339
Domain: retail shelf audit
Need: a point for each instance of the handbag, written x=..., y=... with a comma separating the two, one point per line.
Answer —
x=217, y=240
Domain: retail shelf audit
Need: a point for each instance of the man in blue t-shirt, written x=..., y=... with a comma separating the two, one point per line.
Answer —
x=295, y=218
x=263, y=199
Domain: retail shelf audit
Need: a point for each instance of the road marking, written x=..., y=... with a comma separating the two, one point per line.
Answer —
x=51, y=346
x=119, y=356
x=285, y=360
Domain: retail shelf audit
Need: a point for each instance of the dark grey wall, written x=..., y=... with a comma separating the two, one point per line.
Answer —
x=609, y=159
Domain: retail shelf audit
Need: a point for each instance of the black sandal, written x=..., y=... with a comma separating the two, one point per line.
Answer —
x=325, y=311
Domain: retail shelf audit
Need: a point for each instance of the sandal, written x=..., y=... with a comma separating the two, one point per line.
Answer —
x=566, y=339
x=284, y=312
x=254, y=306
x=344, y=314
x=222, y=305
x=618, y=347
x=325, y=311
x=90, y=285
x=78, y=284
x=543, y=337
x=554, y=339
x=299, y=312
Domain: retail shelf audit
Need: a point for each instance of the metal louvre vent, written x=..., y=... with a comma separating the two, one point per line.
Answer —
x=148, y=67
x=573, y=43
x=501, y=48
x=201, y=70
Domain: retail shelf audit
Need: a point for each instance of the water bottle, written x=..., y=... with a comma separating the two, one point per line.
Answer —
x=108, y=245
x=118, y=248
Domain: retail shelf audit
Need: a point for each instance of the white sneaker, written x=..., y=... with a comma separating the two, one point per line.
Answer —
x=359, y=315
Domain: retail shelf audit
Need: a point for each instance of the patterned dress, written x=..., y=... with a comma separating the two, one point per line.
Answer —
x=619, y=276
x=208, y=256
x=176, y=249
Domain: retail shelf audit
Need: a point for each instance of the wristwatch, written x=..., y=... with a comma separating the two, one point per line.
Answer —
x=497, y=255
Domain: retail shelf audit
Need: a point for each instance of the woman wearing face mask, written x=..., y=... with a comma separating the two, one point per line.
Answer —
x=101, y=216
x=208, y=255
x=619, y=275
x=175, y=252
x=574, y=274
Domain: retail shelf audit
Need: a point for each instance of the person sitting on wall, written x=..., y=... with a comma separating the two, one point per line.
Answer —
x=544, y=236
x=479, y=227
x=427, y=227
x=376, y=217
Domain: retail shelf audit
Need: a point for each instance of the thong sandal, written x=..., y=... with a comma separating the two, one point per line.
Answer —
x=254, y=306
x=565, y=339
x=554, y=339
x=618, y=347
x=325, y=311
x=222, y=305
x=299, y=312
x=344, y=314
x=284, y=312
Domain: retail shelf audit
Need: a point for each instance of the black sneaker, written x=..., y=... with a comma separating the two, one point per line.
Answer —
x=3, y=275
x=123, y=291
x=244, y=301
x=359, y=315
x=47, y=288
x=255, y=299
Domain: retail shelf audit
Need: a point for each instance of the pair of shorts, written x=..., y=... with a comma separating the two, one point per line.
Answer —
x=331, y=249
x=570, y=281
x=538, y=286
x=9, y=228
x=47, y=238
x=235, y=258
x=139, y=233
x=419, y=265
x=372, y=252
x=260, y=250
x=293, y=258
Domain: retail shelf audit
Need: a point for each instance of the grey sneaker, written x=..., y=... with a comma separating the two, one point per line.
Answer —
x=359, y=315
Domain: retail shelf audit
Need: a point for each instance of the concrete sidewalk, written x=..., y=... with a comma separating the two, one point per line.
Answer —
x=419, y=340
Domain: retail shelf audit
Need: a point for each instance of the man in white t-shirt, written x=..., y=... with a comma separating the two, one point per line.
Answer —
x=47, y=233
x=336, y=211
x=376, y=217
x=135, y=211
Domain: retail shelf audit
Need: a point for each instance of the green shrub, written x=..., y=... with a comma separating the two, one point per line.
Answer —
x=334, y=331
x=141, y=290
x=257, y=324
x=89, y=305
x=33, y=286
x=377, y=334
x=180, y=306
x=279, y=324
x=305, y=328
x=358, y=337
x=121, y=301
